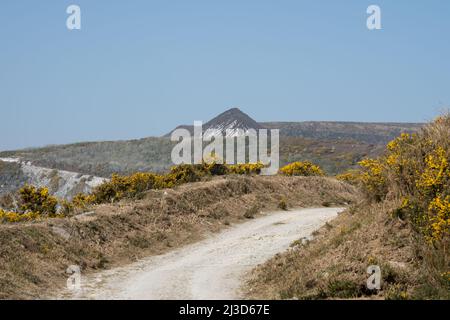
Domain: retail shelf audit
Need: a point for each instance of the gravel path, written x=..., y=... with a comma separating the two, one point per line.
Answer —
x=209, y=269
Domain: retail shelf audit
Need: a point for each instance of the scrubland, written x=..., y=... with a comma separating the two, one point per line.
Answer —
x=401, y=224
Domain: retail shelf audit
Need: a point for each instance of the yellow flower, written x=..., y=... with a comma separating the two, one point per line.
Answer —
x=299, y=168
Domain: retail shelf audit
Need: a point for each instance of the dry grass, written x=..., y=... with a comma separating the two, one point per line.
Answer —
x=334, y=264
x=34, y=256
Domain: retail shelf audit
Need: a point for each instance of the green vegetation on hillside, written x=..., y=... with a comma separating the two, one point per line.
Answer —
x=153, y=155
x=102, y=158
x=11, y=177
x=361, y=132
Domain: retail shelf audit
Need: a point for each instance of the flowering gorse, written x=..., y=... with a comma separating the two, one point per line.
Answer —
x=38, y=203
x=415, y=168
x=33, y=204
x=9, y=216
x=299, y=168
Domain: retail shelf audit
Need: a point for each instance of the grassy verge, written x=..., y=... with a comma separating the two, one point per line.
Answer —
x=334, y=264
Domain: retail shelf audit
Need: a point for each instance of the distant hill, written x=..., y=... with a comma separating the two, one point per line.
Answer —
x=230, y=123
x=335, y=146
x=102, y=158
x=227, y=124
x=153, y=154
x=373, y=133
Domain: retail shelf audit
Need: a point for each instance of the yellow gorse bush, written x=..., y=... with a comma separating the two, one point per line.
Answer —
x=439, y=217
x=416, y=169
x=8, y=216
x=246, y=168
x=436, y=172
x=120, y=187
x=135, y=185
x=299, y=168
x=373, y=178
x=405, y=138
x=80, y=201
x=37, y=200
x=34, y=203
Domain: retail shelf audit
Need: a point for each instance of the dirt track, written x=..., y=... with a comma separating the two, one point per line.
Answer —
x=210, y=269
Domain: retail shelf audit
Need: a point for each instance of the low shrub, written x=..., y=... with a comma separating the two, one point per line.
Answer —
x=373, y=178
x=301, y=169
x=251, y=212
x=343, y=289
x=120, y=187
x=12, y=217
x=81, y=201
x=184, y=173
x=37, y=200
x=215, y=169
x=283, y=204
x=416, y=169
x=33, y=203
x=247, y=168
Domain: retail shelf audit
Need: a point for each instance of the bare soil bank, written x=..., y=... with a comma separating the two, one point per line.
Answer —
x=35, y=256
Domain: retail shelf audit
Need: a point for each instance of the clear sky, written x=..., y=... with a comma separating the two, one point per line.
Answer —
x=139, y=68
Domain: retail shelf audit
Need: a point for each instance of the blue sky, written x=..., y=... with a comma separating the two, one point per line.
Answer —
x=139, y=68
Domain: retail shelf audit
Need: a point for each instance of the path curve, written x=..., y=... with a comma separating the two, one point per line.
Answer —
x=209, y=269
